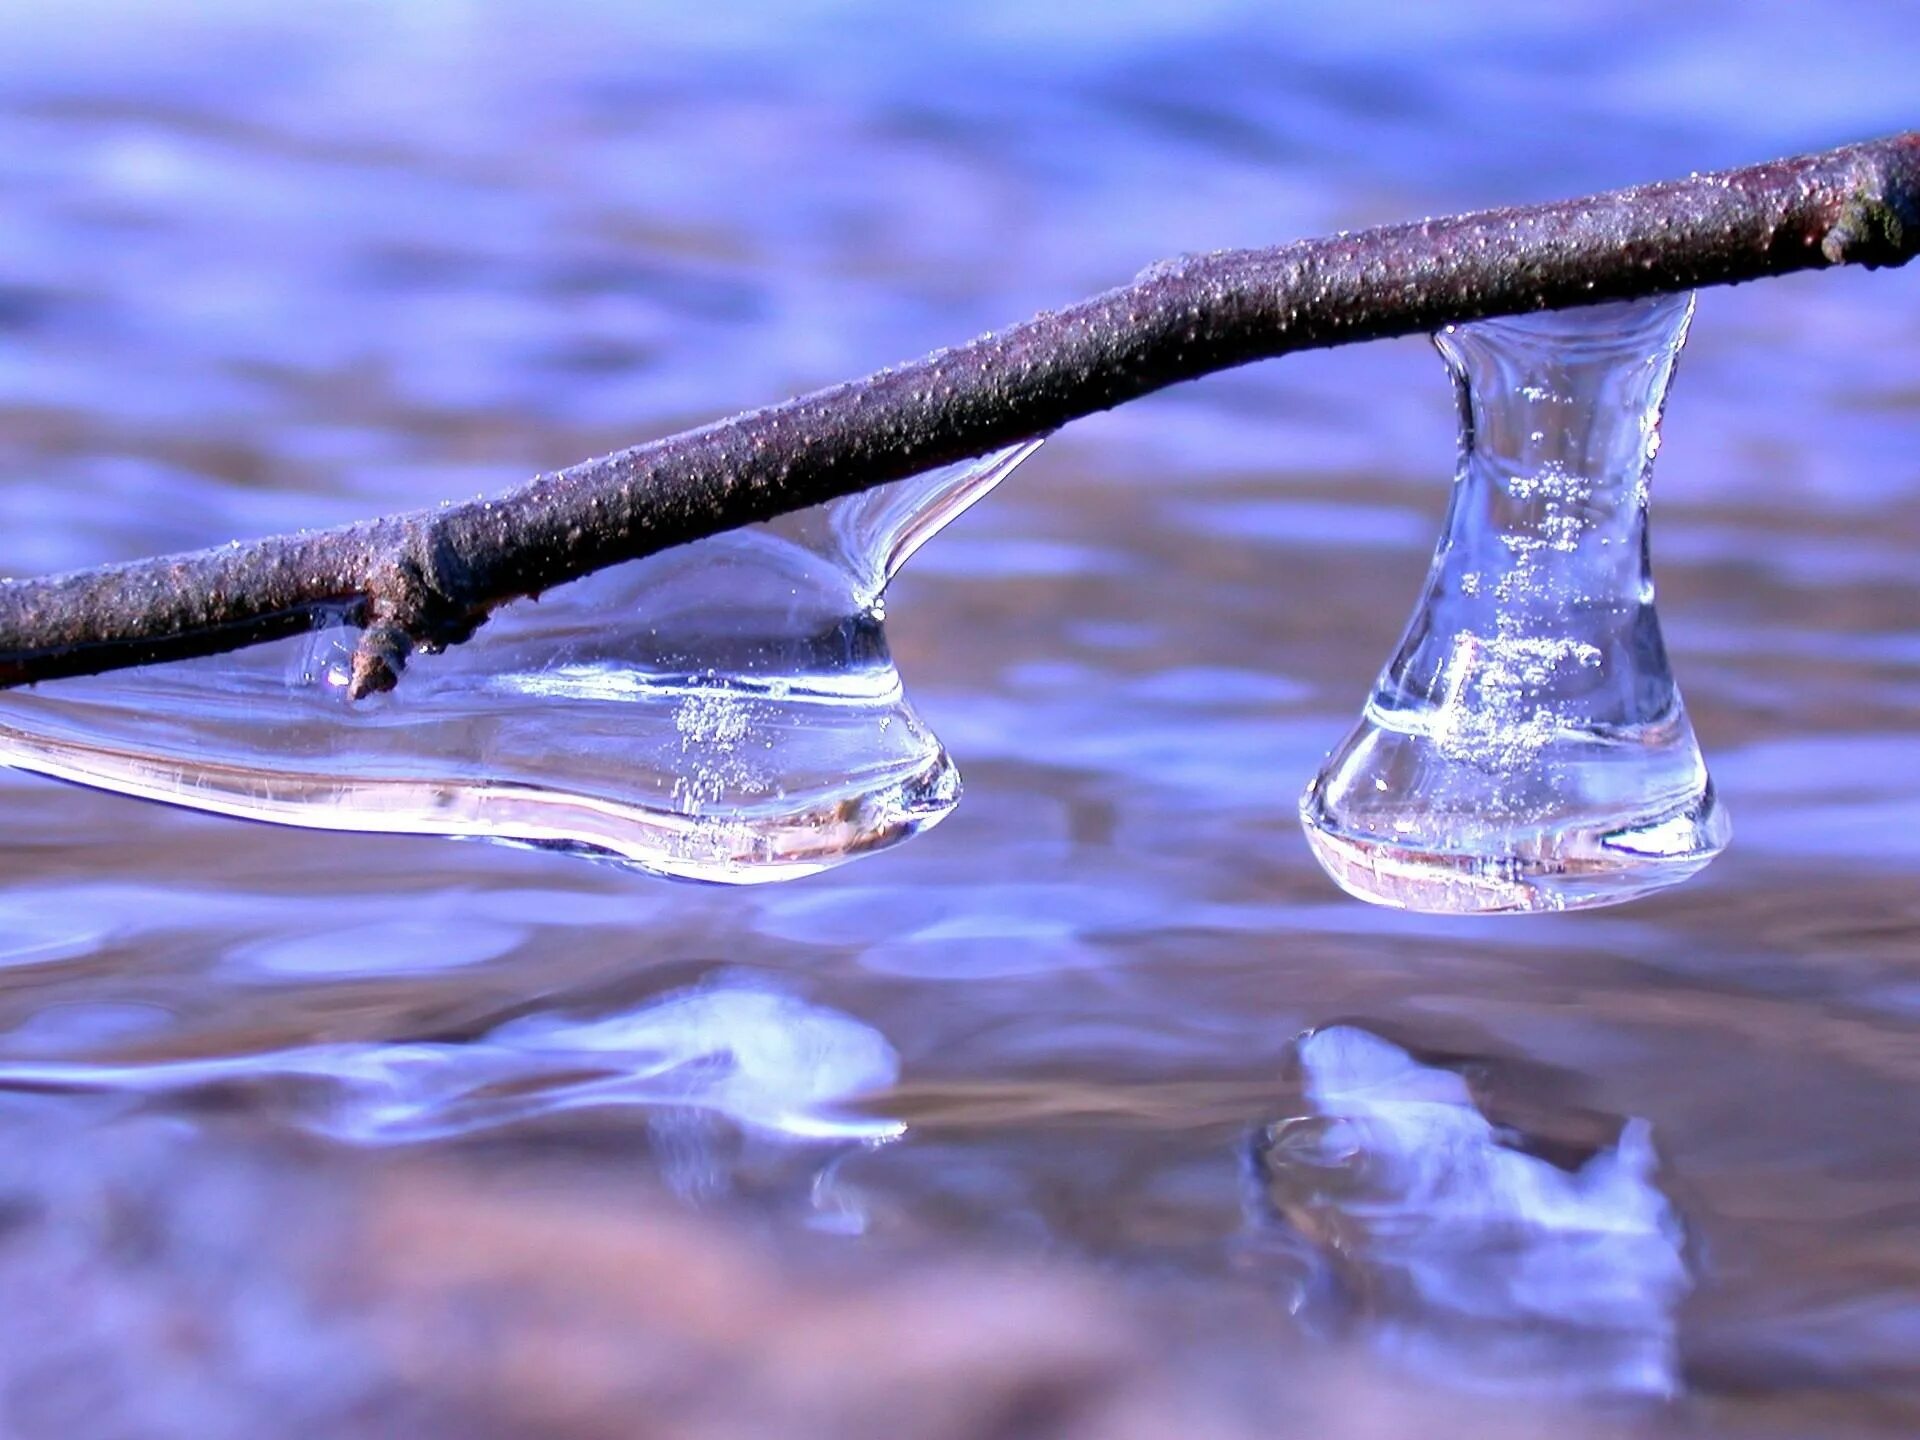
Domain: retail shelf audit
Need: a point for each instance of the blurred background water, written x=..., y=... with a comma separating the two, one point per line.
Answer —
x=269, y=267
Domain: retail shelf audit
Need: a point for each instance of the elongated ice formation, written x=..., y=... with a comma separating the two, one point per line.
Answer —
x=1526, y=748
x=727, y=710
x=1464, y=1254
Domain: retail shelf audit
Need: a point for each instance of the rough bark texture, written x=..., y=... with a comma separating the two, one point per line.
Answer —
x=429, y=578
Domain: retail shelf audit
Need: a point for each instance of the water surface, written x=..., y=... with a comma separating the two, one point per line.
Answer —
x=261, y=270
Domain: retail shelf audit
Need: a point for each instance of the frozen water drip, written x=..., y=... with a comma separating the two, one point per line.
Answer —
x=727, y=710
x=1526, y=747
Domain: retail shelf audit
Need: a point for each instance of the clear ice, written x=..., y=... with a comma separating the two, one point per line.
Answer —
x=1458, y=1251
x=1526, y=748
x=724, y=711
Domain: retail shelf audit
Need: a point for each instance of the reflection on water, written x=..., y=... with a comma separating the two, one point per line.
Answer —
x=763, y=1060
x=1464, y=1254
x=271, y=267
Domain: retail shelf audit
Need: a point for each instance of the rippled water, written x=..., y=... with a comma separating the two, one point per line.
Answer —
x=264, y=270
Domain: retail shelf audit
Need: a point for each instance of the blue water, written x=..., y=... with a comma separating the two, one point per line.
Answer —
x=262, y=269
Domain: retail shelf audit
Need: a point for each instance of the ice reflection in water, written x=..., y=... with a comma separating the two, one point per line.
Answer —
x=728, y=710
x=1466, y=1256
x=767, y=1061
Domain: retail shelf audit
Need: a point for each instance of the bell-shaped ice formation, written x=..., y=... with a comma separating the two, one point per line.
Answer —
x=1526, y=747
x=727, y=710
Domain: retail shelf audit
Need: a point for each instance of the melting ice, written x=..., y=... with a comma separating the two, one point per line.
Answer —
x=1463, y=1254
x=727, y=710
x=1526, y=747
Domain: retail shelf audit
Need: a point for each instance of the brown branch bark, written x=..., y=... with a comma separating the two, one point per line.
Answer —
x=429, y=578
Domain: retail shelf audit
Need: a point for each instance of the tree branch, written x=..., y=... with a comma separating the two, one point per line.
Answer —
x=427, y=579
